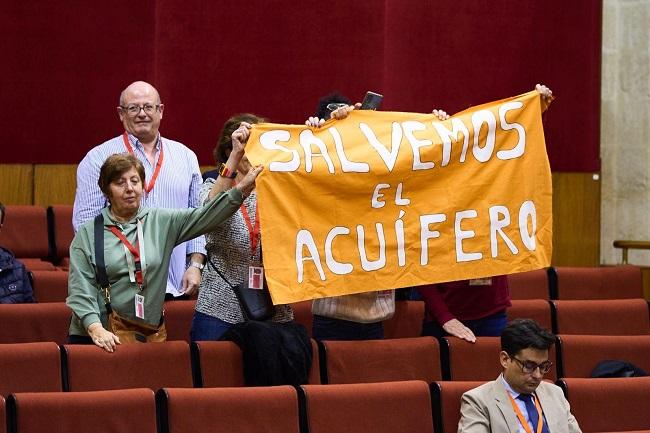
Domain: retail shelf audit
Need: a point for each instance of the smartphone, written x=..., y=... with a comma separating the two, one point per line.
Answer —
x=371, y=101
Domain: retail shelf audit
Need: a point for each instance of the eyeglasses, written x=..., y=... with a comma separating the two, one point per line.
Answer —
x=133, y=110
x=529, y=367
x=336, y=105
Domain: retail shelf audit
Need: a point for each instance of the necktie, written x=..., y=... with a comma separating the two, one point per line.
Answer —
x=533, y=416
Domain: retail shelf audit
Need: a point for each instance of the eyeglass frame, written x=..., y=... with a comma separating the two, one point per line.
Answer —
x=332, y=106
x=126, y=110
x=523, y=368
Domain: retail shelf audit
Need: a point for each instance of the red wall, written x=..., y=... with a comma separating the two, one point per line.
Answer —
x=65, y=64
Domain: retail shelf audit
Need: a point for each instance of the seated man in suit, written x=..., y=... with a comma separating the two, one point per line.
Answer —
x=518, y=400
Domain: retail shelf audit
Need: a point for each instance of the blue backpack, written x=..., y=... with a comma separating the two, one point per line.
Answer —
x=15, y=287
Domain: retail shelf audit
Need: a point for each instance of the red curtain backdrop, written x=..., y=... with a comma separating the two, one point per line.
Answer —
x=65, y=64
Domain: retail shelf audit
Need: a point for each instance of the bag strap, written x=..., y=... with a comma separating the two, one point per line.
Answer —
x=100, y=264
x=219, y=272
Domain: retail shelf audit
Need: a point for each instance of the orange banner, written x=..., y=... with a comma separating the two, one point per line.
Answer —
x=383, y=200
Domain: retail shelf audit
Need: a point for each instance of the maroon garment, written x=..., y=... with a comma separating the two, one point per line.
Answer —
x=462, y=301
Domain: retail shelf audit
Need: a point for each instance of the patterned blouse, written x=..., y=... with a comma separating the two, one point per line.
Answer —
x=229, y=248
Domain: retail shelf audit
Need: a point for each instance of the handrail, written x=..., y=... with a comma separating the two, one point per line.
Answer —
x=626, y=245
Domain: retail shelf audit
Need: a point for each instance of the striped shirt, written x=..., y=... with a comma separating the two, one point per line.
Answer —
x=177, y=187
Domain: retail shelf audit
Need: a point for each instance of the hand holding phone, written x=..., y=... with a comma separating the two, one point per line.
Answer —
x=371, y=101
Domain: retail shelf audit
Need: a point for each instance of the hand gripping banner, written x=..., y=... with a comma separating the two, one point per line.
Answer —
x=383, y=200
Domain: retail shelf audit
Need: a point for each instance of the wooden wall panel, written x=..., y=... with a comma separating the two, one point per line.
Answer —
x=54, y=184
x=16, y=183
x=576, y=219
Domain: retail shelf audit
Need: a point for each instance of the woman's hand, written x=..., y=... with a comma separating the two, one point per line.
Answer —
x=239, y=138
x=546, y=93
x=343, y=112
x=248, y=182
x=440, y=114
x=314, y=122
x=456, y=328
x=103, y=338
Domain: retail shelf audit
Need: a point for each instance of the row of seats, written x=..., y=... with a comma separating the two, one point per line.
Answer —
x=616, y=282
x=574, y=283
x=39, y=237
x=45, y=366
x=50, y=233
x=23, y=323
x=385, y=407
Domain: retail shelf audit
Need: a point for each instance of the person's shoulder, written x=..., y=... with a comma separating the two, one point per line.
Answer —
x=176, y=145
x=104, y=149
x=487, y=387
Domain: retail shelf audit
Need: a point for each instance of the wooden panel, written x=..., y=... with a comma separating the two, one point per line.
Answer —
x=17, y=185
x=54, y=184
x=576, y=219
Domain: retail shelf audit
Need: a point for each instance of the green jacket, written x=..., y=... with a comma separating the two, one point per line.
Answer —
x=163, y=230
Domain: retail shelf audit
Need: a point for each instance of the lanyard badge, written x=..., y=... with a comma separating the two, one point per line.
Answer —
x=156, y=172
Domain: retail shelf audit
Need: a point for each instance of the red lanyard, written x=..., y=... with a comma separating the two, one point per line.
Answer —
x=147, y=188
x=522, y=419
x=134, y=250
x=253, y=231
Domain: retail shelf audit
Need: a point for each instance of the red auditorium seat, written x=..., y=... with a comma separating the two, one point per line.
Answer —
x=126, y=410
x=581, y=353
x=382, y=360
x=537, y=309
x=302, y=314
x=30, y=367
x=369, y=407
x=606, y=282
x=24, y=323
x=25, y=233
x=218, y=364
x=59, y=218
x=229, y=410
x=480, y=361
x=407, y=320
x=3, y=420
x=529, y=285
x=609, y=405
x=602, y=317
x=178, y=319
x=50, y=286
x=446, y=400
x=147, y=365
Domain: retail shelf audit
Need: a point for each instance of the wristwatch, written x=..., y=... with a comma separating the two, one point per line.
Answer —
x=225, y=172
x=197, y=265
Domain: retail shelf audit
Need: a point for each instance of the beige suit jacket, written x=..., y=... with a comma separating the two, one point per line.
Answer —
x=487, y=408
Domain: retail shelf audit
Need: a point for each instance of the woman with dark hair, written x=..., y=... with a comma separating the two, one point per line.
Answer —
x=136, y=246
x=234, y=246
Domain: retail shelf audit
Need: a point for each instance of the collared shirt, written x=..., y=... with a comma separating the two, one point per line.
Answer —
x=522, y=406
x=177, y=187
x=163, y=228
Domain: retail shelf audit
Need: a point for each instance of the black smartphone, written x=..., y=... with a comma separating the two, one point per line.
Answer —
x=371, y=101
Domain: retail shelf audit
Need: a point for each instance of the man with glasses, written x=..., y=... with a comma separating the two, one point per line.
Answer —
x=173, y=178
x=519, y=400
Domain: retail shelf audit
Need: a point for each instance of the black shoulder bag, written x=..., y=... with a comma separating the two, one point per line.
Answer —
x=255, y=303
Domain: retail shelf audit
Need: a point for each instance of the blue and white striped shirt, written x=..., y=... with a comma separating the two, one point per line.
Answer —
x=177, y=186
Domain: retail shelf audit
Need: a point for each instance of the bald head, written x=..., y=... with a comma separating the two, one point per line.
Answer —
x=139, y=89
x=140, y=112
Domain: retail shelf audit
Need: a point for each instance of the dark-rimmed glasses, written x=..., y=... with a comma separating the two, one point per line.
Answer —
x=529, y=367
x=133, y=110
x=336, y=105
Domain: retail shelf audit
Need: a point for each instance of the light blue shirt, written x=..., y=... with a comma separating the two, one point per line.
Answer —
x=520, y=403
x=177, y=186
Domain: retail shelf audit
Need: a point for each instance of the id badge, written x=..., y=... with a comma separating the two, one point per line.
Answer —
x=480, y=282
x=139, y=306
x=255, y=277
